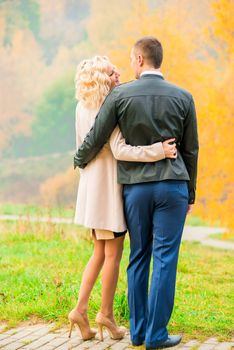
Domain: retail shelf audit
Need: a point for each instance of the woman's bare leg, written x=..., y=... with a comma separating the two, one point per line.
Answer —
x=90, y=275
x=110, y=274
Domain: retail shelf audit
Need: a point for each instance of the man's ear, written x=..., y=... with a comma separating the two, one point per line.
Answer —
x=140, y=59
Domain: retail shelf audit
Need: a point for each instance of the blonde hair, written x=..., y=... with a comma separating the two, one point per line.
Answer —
x=92, y=81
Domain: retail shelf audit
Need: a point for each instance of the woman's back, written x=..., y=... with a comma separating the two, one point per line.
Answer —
x=99, y=200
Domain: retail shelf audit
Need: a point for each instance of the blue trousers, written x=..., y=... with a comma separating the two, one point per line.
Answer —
x=155, y=214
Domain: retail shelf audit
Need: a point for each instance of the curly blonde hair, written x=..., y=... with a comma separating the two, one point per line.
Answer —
x=92, y=81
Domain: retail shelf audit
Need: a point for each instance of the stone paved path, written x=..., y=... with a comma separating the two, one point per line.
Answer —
x=42, y=337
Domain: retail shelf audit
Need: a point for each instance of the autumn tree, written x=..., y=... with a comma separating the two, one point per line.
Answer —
x=21, y=64
x=39, y=44
x=217, y=168
x=18, y=83
x=199, y=57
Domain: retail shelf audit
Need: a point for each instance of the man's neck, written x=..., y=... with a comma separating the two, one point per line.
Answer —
x=150, y=69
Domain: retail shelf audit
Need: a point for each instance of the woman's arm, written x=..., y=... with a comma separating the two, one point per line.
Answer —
x=122, y=151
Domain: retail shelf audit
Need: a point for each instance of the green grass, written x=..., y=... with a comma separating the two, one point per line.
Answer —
x=35, y=210
x=194, y=220
x=41, y=267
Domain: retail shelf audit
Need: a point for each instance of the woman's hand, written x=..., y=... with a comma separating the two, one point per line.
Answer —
x=190, y=208
x=169, y=147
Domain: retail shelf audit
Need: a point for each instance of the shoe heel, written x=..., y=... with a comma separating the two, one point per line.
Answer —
x=100, y=331
x=70, y=331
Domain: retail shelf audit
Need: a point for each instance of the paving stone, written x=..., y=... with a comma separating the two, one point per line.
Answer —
x=29, y=338
x=126, y=339
x=44, y=329
x=67, y=346
x=40, y=337
x=21, y=334
x=206, y=346
x=86, y=344
x=13, y=346
x=64, y=347
x=12, y=331
x=100, y=346
x=110, y=341
x=6, y=341
x=119, y=346
x=44, y=347
x=43, y=341
x=65, y=336
x=3, y=336
x=75, y=342
x=37, y=327
x=58, y=341
x=211, y=341
x=224, y=346
x=42, y=332
x=192, y=343
x=63, y=332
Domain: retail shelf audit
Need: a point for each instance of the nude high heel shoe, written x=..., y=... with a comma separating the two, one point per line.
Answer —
x=114, y=331
x=77, y=318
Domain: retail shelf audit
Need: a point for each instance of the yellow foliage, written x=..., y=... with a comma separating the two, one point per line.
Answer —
x=198, y=55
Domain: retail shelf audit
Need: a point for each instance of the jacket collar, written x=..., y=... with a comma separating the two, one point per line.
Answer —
x=149, y=74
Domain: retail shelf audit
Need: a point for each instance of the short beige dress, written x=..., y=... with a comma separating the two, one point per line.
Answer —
x=99, y=203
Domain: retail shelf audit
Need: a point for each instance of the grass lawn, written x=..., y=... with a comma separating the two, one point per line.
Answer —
x=35, y=210
x=41, y=267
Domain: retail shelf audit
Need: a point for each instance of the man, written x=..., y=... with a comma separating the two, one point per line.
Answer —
x=157, y=196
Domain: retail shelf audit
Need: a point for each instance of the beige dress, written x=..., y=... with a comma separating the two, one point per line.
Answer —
x=99, y=203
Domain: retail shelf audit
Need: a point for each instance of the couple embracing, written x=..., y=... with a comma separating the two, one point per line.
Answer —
x=137, y=150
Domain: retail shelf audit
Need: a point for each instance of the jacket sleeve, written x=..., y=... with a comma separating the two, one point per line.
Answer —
x=189, y=149
x=125, y=152
x=105, y=122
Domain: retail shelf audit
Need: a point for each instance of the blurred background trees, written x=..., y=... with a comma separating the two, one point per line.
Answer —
x=41, y=42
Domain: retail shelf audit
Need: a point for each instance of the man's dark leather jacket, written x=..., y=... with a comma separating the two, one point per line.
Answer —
x=148, y=110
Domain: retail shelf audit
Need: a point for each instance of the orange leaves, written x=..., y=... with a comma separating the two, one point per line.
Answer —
x=197, y=61
x=224, y=23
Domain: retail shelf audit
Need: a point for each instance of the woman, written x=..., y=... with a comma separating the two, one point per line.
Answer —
x=99, y=201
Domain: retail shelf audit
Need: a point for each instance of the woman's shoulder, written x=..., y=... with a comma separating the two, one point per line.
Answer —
x=81, y=109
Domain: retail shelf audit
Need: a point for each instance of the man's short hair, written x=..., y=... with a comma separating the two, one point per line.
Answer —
x=151, y=49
